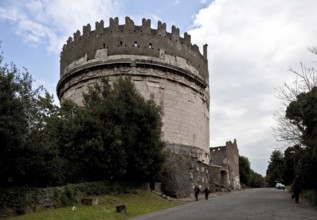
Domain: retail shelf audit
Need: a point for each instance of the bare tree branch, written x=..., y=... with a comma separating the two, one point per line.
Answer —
x=305, y=81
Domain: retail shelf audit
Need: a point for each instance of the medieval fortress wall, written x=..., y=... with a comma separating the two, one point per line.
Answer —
x=162, y=65
x=225, y=164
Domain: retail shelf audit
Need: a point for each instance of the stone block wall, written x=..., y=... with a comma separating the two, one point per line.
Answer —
x=225, y=161
x=233, y=164
x=181, y=173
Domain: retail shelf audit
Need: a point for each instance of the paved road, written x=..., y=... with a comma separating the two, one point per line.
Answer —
x=253, y=204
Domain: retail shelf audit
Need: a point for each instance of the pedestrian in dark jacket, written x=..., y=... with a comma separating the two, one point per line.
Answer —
x=296, y=189
x=206, y=191
x=196, y=192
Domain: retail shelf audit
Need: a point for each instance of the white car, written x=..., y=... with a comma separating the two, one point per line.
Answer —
x=280, y=186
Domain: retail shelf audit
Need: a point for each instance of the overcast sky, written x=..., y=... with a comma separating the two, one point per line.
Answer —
x=252, y=44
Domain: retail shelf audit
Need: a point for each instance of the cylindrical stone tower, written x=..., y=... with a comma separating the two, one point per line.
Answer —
x=162, y=65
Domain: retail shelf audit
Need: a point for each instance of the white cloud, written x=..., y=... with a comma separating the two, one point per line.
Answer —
x=33, y=32
x=52, y=21
x=10, y=14
x=251, y=45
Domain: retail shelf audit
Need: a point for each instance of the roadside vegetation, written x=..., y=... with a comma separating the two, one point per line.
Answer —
x=297, y=128
x=137, y=203
x=114, y=136
x=249, y=178
x=311, y=196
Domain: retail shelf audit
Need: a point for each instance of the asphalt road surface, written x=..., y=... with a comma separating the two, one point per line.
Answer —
x=253, y=204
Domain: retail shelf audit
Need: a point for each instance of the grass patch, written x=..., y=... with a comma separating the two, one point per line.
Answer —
x=311, y=196
x=137, y=204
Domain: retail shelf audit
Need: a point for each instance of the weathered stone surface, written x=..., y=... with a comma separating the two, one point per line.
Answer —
x=225, y=164
x=121, y=208
x=181, y=173
x=89, y=201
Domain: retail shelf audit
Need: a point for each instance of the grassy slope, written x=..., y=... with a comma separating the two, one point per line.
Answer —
x=137, y=204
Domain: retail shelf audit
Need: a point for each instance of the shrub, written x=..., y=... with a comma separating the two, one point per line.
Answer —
x=65, y=196
x=17, y=198
x=311, y=195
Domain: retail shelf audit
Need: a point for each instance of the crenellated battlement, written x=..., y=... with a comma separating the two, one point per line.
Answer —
x=128, y=26
x=130, y=39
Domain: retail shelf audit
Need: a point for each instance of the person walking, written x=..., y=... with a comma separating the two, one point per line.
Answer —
x=196, y=192
x=296, y=189
x=206, y=191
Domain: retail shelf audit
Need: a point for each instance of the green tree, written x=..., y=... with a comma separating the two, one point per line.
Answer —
x=276, y=168
x=13, y=120
x=141, y=123
x=42, y=157
x=21, y=119
x=305, y=80
x=303, y=114
x=248, y=177
x=293, y=159
x=297, y=124
x=256, y=180
x=245, y=170
x=115, y=135
x=28, y=152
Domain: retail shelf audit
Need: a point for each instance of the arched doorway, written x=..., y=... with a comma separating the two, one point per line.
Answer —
x=223, y=177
